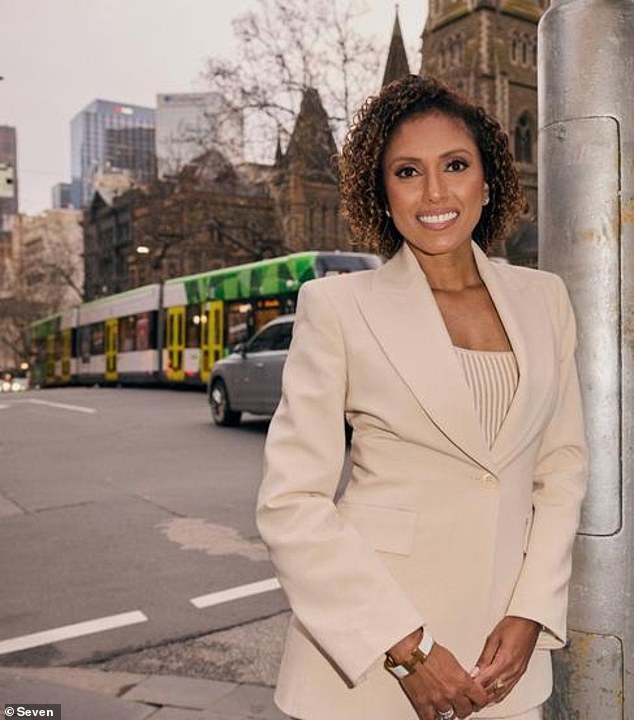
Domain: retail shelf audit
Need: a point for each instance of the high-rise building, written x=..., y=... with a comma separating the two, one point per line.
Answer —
x=110, y=136
x=8, y=172
x=60, y=195
x=190, y=124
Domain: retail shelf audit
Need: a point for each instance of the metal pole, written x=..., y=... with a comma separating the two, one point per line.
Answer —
x=586, y=235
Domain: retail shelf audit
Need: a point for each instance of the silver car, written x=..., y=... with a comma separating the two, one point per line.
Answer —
x=250, y=378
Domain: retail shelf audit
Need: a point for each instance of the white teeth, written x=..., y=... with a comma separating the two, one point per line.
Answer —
x=445, y=217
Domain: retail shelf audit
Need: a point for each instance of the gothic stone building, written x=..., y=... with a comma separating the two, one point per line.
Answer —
x=215, y=214
x=488, y=50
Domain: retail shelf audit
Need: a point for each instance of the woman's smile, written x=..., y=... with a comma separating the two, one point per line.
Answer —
x=434, y=183
x=438, y=220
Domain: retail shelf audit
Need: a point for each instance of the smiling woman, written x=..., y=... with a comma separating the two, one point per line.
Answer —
x=363, y=181
x=446, y=560
x=434, y=192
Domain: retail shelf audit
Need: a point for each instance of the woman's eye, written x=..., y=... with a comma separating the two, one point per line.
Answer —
x=457, y=165
x=406, y=172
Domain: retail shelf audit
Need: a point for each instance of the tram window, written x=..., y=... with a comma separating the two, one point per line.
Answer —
x=142, y=331
x=217, y=325
x=96, y=339
x=262, y=316
x=127, y=333
x=194, y=322
x=239, y=322
x=40, y=350
x=265, y=311
x=288, y=305
x=84, y=343
x=154, y=322
x=334, y=264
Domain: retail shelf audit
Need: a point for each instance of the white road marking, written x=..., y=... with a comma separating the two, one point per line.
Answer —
x=89, y=627
x=112, y=622
x=4, y=407
x=63, y=406
x=235, y=593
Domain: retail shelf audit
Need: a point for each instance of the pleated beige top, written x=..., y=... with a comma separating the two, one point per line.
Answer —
x=492, y=378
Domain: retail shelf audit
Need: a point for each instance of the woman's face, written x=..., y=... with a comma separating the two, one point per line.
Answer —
x=434, y=183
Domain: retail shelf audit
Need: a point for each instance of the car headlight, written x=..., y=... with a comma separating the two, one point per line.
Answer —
x=6, y=386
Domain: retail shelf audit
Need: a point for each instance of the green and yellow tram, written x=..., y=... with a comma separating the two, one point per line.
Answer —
x=175, y=331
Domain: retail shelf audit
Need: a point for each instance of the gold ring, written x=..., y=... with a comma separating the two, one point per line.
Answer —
x=498, y=685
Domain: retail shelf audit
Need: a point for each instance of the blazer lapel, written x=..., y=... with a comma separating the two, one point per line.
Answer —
x=404, y=317
x=526, y=327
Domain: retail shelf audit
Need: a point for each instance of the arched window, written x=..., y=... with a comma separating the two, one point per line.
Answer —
x=441, y=56
x=534, y=53
x=524, y=139
x=524, y=51
x=514, y=49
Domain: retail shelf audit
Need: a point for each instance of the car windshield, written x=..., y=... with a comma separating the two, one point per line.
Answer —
x=274, y=337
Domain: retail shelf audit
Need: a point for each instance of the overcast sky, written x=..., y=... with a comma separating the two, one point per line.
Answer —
x=56, y=56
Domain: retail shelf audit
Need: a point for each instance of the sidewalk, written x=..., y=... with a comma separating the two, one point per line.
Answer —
x=88, y=694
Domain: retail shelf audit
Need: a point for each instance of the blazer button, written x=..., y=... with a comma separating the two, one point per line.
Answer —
x=489, y=480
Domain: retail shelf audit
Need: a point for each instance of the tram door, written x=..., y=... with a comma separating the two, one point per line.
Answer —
x=211, y=345
x=175, y=343
x=66, y=336
x=112, y=347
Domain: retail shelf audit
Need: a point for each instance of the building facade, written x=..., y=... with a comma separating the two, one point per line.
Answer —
x=44, y=273
x=51, y=269
x=197, y=222
x=488, y=50
x=8, y=247
x=8, y=172
x=304, y=183
x=60, y=195
x=9, y=355
x=188, y=124
x=216, y=213
x=108, y=136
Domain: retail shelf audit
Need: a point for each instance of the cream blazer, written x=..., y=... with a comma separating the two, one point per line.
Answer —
x=434, y=528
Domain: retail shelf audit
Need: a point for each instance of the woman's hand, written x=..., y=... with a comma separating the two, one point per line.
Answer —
x=440, y=684
x=505, y=656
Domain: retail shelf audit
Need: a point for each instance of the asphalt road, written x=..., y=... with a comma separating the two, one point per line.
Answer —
x=123, y=505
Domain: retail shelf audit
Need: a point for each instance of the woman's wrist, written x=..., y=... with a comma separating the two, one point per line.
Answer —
x=402, y=650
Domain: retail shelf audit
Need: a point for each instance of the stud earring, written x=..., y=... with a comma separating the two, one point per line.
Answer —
x=387, y=212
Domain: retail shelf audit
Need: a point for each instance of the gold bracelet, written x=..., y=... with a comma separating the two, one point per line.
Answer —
x=418, y=656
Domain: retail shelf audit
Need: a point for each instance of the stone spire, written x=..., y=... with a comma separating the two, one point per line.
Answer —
x=397, y=65
x=312, y=144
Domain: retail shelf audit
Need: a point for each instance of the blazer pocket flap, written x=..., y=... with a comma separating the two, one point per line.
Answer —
x=384, y=528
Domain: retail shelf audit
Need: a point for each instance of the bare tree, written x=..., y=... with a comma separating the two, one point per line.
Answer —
x=47, y=276
x=16, y=315
x=285, y=47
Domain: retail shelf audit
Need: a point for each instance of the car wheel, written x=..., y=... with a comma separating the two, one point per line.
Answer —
x=221, y=412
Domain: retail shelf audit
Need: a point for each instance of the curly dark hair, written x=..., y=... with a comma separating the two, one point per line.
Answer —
x=360, y=164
